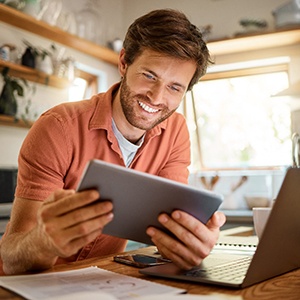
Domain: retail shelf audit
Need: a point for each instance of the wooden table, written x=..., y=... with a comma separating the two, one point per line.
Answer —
x=285, y=287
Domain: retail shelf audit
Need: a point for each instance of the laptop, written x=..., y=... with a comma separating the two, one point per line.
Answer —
x=277, y=252
x=138, y=198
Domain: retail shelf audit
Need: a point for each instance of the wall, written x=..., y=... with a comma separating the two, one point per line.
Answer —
x=223, y=15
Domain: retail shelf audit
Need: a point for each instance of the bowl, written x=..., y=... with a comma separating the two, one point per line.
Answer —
x=257, y=201
x=287, y=14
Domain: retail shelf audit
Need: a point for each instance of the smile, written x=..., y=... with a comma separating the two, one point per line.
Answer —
x=147, y=108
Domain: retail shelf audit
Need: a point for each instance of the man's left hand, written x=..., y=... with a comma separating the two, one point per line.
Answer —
x=194, y=240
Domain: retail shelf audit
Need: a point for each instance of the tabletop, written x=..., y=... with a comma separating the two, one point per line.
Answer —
x=286, y=286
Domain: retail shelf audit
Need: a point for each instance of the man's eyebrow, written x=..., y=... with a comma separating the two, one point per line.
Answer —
x=150, y=71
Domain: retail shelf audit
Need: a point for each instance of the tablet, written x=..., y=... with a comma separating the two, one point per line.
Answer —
x=138, y=198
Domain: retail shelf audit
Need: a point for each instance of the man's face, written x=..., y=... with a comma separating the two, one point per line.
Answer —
x=153, y=87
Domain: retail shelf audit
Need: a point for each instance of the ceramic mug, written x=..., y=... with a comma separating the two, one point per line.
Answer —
x=260, y=218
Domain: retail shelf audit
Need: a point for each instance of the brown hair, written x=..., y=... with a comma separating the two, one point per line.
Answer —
x=170, y=32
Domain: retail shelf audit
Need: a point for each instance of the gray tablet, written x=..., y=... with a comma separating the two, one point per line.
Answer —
x=139, y=198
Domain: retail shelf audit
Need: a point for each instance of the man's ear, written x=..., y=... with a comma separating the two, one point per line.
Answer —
x=122, y=66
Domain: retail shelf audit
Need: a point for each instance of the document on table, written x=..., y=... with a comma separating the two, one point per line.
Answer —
x=88, y=283
x=236, y=244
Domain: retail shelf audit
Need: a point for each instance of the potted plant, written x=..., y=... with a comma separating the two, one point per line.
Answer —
x=38, y=58
x=11, y=88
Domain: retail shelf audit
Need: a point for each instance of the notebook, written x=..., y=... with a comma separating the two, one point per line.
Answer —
x=277, y=252
x=138, y=198
x=236, y=244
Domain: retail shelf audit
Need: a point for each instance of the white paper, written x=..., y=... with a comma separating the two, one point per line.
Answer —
x=88, y=295
x=194, y=297
x=88, y=283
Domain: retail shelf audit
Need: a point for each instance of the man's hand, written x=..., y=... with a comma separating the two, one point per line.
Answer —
x=70, y=220
x=195, y=240
x=58, y=227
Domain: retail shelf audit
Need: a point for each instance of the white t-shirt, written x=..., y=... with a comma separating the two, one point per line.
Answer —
x=128, y=149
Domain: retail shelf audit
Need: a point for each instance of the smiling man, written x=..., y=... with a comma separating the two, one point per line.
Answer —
x=151, y=90
x=133, y=124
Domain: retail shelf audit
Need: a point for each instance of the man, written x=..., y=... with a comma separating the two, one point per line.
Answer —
x=134, y=124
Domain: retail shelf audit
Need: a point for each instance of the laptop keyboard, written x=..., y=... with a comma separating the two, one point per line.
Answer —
x=233, y=271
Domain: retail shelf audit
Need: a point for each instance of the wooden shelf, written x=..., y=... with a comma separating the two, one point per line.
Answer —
x=11, y=121
x=26, y=22
x=256, y=41
x=34, y=75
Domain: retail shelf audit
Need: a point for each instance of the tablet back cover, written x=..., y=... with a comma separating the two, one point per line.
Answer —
x=139, y=198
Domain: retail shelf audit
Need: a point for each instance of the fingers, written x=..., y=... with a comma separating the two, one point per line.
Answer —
x=175, y=256
x=68, y=249
x=191, y=244
x=67, y=200
x=70, y=220
x=174, y=250
x=69, y=240
x=193, y=240
x=100, y=210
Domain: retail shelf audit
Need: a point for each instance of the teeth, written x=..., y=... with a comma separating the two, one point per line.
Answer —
x=147, y=108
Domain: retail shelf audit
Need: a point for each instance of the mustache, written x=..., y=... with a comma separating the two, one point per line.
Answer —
x=147, y=100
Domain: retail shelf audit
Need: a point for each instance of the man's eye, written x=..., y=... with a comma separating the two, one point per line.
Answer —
x=149, y=76
x=174, y=88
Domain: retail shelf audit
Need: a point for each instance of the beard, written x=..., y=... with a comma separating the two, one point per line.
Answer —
x=131, y=108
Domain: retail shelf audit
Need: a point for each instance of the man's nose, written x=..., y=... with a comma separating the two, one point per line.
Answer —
x=156, y=93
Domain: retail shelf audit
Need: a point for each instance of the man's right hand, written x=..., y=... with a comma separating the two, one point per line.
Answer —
x=58, y=227
x=70, y=220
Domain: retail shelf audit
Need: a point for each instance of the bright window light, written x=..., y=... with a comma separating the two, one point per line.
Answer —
x=239, y=123
x=77, y=90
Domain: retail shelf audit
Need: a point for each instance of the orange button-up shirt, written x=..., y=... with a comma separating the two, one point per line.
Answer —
x=66, y=137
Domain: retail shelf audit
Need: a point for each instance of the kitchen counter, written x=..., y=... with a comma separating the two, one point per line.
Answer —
x=238, y=217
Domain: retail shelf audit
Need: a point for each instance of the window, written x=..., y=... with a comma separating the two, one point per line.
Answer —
x=77, y=90
x=83, y=86
x=235, y=122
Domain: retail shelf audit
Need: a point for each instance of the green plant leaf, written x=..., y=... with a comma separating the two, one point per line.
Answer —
x=5, y=72
x=17, y=87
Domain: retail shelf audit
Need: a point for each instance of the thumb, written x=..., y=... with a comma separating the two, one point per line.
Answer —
x=217, y=220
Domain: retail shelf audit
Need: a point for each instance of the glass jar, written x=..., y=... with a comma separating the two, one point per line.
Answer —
x=88, y=22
